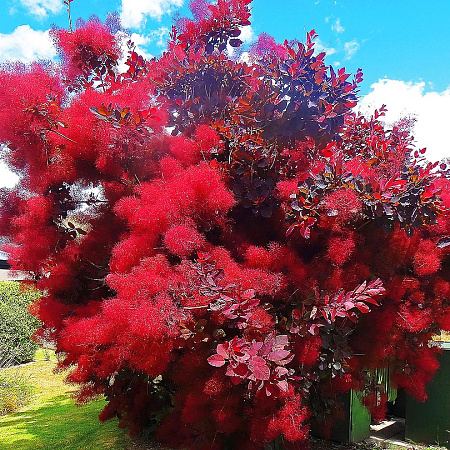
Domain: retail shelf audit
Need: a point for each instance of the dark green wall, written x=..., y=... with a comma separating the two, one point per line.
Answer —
x=429, y=422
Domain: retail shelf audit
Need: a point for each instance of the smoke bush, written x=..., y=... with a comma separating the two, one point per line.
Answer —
x=224, y=247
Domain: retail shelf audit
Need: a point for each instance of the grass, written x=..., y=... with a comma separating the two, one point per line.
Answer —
x=52, y=421
x=15, y=392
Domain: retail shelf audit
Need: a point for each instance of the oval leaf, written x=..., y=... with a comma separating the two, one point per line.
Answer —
x=216, y=360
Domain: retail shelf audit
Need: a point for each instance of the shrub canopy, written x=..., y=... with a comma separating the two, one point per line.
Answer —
x=16, y=323
x=219, y=236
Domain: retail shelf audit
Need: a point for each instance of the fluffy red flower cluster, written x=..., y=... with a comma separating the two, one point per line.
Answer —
x=223, y=246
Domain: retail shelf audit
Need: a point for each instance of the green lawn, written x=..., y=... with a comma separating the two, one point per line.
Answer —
x=52, y=421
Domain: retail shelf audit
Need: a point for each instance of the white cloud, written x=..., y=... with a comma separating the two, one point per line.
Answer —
x=245, y=58
x=320, y=47
x=247, y=35
x=8, y=179
x=141, y=41
x=157, y=37
x=408, y=98
x=337, y=26
x=133, y=13
x=351, y=48
x=42, y=8
x=26, y=45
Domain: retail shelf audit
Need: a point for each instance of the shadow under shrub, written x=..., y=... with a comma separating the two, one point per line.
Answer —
x=16, y=324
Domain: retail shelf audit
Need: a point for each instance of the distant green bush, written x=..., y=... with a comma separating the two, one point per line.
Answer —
x=15, y=391
x=16, y=323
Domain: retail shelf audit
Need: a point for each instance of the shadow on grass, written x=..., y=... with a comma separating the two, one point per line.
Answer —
x=61, y=425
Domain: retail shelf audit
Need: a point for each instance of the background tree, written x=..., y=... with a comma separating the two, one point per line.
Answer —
x=224, y=246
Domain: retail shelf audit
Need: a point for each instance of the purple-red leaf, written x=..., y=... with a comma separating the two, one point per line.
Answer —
x=278, y=355
x=216, y=360
x=222, y=350
x=362, y=307
x=249, y=293
x=259, y=368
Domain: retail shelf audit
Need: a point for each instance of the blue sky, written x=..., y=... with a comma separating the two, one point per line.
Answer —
x=403, y=46
x=405, y=40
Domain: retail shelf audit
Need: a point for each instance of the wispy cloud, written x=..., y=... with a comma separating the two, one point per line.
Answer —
x=410, y=99
x=26, y=45
x=159, y=36
x=42, y=8
x=351, y=48
x=337, y=26
x=321, y=47
x=134, y=13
